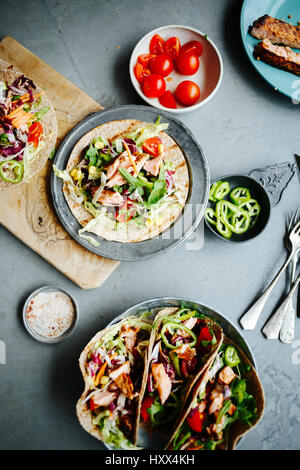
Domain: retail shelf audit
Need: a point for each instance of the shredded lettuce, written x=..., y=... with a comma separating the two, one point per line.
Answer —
x=87, y=228
x=28, y=155
x=112, y=435
x=152, y=130
x=100, y=189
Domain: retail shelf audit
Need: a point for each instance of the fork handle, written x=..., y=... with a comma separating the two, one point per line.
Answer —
x=250, y=318
x=272, y=327
x=287, y=330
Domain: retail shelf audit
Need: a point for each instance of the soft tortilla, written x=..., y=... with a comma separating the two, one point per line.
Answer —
x=254, y=387
x=129, y=232
x=83, y=413
x=208, y=360
x=9, y=73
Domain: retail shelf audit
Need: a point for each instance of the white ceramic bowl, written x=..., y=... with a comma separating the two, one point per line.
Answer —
x=208, y=77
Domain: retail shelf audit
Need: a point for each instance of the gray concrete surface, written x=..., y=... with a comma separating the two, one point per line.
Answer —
x=246, y=125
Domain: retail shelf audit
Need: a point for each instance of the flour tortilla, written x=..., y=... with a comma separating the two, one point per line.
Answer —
x=254, y=387
x=83, y=413
x=9, y=73
x=218, y=332
x=130, y=232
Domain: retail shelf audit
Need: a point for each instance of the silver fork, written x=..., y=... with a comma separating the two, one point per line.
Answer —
x=272, y=327
x=287, y=330
x=250, y=319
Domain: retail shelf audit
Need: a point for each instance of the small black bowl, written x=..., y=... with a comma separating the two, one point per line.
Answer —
x=257, y=192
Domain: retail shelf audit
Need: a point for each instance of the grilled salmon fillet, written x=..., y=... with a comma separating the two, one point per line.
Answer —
x=277, y=31
x=278, y=56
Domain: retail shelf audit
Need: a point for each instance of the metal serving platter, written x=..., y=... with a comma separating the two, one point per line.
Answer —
x=159, y=440
x=196, y=201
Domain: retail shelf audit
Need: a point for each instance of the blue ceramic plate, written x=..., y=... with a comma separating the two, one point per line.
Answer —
x=285, y=82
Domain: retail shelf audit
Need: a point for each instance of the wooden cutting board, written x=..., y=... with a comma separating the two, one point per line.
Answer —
x=27, y=210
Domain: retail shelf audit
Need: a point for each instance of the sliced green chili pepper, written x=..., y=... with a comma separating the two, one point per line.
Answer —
x=239, y=390
x=210, y=216
x=253, y=209
x=11, y=166
x=171, y=326
x=223, y=229
x=237, y=221
x=187, y=315
x=213, y=189
x=221, y=191
x=251, y=206
x=239, y=195
x=231, y=356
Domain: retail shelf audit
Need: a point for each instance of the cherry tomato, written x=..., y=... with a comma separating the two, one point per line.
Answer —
x=145, y=59
x=168, y=100
x=193, y=47
x=34, y=133
x=146, y=403
x=154, y=86
x=161, y=65
x=195, y=421
x=187, y=64
x=156, y=45
x=204, y=335
x=187, y=93
x=172, y=48
x=153, y=146
x=141, y=72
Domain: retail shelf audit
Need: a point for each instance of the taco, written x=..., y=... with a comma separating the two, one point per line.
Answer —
x=182, y=345
x=227, y=402
x=125, y=181
x=113, y=369
x=28, y=127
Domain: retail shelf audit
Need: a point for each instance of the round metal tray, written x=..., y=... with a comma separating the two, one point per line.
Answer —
x=196, y=201
x=158, y=439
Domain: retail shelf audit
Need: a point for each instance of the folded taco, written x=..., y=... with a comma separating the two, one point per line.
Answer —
x=113, y=369
x=227, y=401
x=125, y=181
x=28, y=127
x=183, y=343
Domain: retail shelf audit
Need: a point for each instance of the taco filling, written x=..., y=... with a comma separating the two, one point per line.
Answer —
x=23, y=135
x=221, y=399
x=184, y=342
x=114, y=369
x=127, y=184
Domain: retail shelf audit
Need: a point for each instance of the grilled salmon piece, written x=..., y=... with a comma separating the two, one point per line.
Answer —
x=122, y=161
x=153, y=165
x=103, y=398
x=277, y=31
x=278, y=56
x=123, y=369
x=117, y=179
x=226, y=375
x=162, y=381
x=111, y=198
